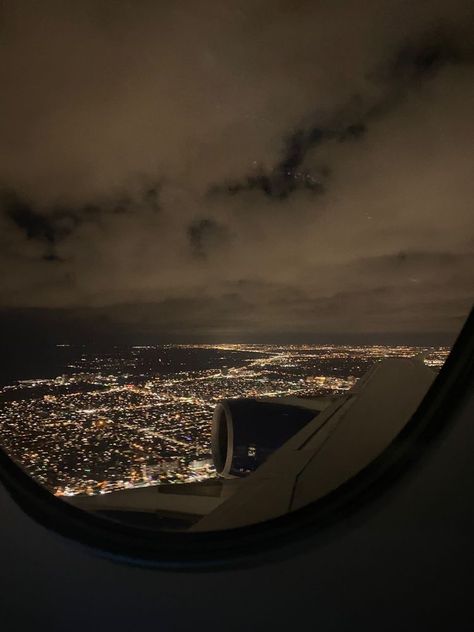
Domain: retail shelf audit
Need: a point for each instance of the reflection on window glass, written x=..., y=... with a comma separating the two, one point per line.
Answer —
x=236, y=245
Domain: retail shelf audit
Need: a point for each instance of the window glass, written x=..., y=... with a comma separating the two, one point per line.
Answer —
x=236, y=245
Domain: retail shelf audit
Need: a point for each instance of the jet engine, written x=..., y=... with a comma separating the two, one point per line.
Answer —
x=246, y=431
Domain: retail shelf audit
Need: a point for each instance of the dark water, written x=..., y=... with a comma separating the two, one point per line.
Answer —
x=18, y=363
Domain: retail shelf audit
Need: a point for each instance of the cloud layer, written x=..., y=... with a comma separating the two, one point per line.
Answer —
x=239, y=168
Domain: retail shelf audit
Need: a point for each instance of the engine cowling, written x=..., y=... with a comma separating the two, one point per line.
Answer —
x=246, y=431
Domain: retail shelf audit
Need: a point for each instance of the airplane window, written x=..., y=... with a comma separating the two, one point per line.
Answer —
x=236, y=247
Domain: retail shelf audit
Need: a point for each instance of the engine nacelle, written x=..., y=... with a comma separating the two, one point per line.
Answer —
x=246, y=431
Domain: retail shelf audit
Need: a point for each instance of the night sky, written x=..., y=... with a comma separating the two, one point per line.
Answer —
x=236, y=170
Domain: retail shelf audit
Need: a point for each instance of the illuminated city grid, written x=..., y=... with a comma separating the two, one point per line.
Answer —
x=142, y=415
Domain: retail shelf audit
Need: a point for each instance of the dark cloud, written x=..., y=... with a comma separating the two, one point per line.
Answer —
x=46, y=228
x=206, y=235
x=413, y=62
x=33, y=224
x=236, y=169
x=52, y=224
x=288, y=175
x=151, y=198
x=422, y=59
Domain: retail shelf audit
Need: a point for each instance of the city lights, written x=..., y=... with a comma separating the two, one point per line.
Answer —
x=142, y=415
